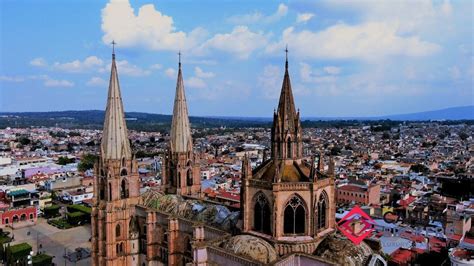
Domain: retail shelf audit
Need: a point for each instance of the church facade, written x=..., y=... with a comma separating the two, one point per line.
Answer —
x=287, y=203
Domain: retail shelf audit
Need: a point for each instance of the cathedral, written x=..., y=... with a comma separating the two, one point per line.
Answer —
x=287, y=213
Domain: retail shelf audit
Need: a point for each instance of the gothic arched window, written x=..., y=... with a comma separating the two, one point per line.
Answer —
x=117, y=230
x=172, y=178
x=294, y=216
x=189, y=248
x=322, y=211
x=102, y=188
x=123, y=172
x=279, y=150
x=124, y=189
x=289, y=150
x=262, y=214
x=110, y=191
x=133, y=227
x=189, y=178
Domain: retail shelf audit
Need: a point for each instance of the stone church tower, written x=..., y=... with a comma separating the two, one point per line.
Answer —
x=181, y=174
x=288, y=200
x=116, y=188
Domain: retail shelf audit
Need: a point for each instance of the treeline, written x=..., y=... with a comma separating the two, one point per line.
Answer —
x=161, y=123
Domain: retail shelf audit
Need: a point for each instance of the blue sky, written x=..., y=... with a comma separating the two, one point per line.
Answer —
x=347, y=58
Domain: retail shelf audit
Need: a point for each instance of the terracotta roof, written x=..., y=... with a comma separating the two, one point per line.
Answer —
x=402, y=256
x=352, y=188
x=463, y=253
x=436, y=244
x=413, y=237
x=407, y=202
x=469, y=240
x=456, y=237
x=228, y=196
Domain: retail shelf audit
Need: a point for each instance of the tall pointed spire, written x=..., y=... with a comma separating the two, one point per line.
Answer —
x=181, y=140
x=115, y=143
x=286, y=106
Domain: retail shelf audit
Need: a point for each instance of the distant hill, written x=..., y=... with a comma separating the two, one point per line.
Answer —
x=454, y=113
x=94, y=119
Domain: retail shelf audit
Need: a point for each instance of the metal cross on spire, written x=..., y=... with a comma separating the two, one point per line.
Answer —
x=113, y=48
x=286, y=52
x=179, y=58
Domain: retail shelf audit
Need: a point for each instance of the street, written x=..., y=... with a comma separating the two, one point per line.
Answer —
x=54, y=241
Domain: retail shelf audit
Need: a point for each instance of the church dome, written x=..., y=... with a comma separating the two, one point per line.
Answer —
x=292, y=172
x=251, y=246
x=342, y=251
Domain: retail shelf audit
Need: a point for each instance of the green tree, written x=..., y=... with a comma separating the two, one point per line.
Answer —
x=64, y=160
x=24, y=141
x=8, y=255
x=87, y=162
x=418, y=168
x=335, y=150
x=2, y=252
x=74, y=134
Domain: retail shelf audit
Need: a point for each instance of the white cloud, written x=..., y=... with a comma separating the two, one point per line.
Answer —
x=149, y=28
x=156, y=66
x=307, y=74
x=246, y=18
x=332, y=70
x=95, y=64
x=405, y=15
x=201, y=62
x=38, y=62
x=446, y=8
x=170, y=73
x=90, y=63
x=47, y=80
x=304, y=17
x=454, y=72
x=127, y=69
x=195, y=82
x=240, y=42
x=57, y=83
x=201, y=74
x=368, y=41
x=11, y=78
x=270, y=81
x=96, y=82
x=257, y=17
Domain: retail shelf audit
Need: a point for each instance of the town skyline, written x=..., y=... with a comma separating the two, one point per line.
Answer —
x=415, y=70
